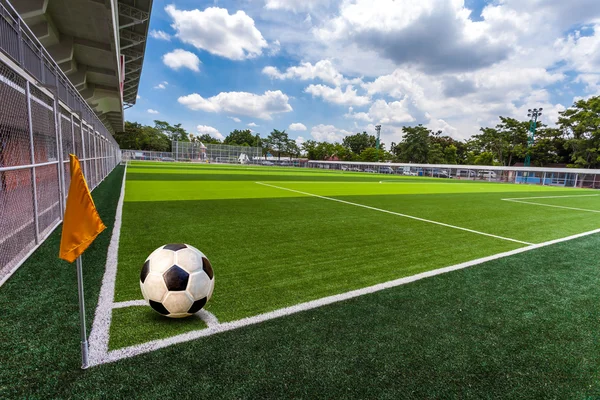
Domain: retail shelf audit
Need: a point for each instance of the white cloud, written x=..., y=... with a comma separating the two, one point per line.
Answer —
x=137, y=97
x=160, y=35
x=328, y=133
x=335, y=95
x=382, y=112
x=162, y=85
x=274, y=48
x=151, y=111
x=240, y=103
x=297, y=126
x=235, y=119
x=295, y=5
x=214, y=30
x=214, y=132
x=252, y=124
x=179, y=58
x=434, y=35
x=323, y=70
x=300, y=140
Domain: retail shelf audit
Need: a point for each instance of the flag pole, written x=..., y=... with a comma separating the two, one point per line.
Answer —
x=84, y=342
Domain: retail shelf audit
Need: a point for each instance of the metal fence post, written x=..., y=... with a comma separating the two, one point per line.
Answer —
x=59, y=153
x=83, y=152
x=33, y=179
x=95, y=155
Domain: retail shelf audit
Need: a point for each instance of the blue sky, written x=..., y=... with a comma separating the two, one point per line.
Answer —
x=323, y=69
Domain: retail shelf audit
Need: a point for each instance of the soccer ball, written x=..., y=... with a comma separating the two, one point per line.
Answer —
x=177, y=280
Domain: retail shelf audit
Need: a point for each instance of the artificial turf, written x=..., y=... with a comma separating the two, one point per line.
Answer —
x=272, y=248
x=525, y=326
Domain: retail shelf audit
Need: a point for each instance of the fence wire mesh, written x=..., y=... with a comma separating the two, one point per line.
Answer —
x=567, y=177
x=37, y=134
x=198, y=152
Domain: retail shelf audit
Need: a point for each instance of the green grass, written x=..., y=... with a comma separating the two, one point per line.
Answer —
x=133, y=325
x=273, y=248
x=525, y=326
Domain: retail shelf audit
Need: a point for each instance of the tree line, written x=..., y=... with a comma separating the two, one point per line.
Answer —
x=575, y=141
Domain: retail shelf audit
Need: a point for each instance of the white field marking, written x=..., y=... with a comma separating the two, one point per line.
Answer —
x=204, y=315
x=99, y=335
x=399, y=214
x=132, y=351
x=552, y=197
x=130, y=303
x=551, y=205
x=430, y=183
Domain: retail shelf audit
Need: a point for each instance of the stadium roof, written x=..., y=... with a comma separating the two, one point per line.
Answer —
x=86, y=39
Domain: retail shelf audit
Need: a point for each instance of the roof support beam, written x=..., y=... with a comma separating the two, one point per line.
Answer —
x=135, y=15
x=132, y=55
x=132, y=38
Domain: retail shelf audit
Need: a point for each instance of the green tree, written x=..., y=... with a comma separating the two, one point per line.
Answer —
x=278, y=141
x=415, y=144
x=549, y=148
x=435, y=155
x=293, y=149
x=370, y=154
x=142, y=137
x=451, y=154
x=173, y=132
x=205, y=138
x=240, y=138
x=507, y=141
x=360, y=141
x=581, y=125
x=485, y=158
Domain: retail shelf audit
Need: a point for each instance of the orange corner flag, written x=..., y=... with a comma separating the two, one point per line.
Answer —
x=82, y=224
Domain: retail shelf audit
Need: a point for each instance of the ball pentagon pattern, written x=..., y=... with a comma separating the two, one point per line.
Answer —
x=177, y=280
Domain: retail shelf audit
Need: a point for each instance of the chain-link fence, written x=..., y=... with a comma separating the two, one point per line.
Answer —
x=198, y=152
x=568, y=177
x=42, y=119
x=216, y=153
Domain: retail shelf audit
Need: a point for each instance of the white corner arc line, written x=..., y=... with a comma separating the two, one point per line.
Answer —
x=398, y=214
x=532, y=203
x=130, y=303
x=99, y=335
x=209, y=318
x=132, y=351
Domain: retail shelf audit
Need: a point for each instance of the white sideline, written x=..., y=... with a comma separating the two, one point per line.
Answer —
x=398, y=214
x=525, y=200
x=131, y=351
x=99, y=336
x=551, y=197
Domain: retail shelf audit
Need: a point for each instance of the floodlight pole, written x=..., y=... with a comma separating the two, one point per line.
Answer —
x=534, y=114
x=378, y=129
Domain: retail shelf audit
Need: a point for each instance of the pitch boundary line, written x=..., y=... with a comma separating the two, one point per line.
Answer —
x=551, y=205
x=398, y=214
x=525, y=200
x=551, y=197
x=100, y=333
x=147, y=347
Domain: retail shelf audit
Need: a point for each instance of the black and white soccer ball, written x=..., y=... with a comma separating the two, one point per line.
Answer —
x=177, y=280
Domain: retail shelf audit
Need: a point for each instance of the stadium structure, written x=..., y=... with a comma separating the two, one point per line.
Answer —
x=68, y=70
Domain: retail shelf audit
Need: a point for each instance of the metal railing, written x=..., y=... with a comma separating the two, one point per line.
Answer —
x=43, y=118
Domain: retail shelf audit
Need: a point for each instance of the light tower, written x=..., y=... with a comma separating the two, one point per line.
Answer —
x=378, y=129
x=533, y=115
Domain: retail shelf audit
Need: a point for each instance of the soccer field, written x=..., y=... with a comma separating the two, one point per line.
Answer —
x=278, y=237
x=521, y=323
